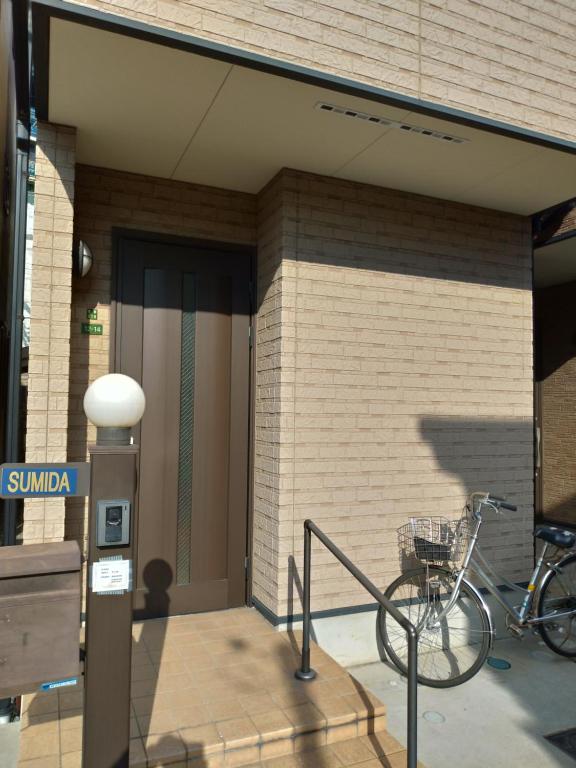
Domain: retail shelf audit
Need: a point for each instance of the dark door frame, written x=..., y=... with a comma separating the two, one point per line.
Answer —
x=537, y=392
x=540, y=516
x=15, y=128
x=250, y=251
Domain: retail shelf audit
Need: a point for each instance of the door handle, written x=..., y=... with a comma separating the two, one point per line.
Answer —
x=538, y=447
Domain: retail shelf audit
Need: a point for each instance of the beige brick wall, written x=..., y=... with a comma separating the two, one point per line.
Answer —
x=271, y=402
x=106, y=199
x=404, y=373
x=393, y=359
x=513, y=61
x=49, y=353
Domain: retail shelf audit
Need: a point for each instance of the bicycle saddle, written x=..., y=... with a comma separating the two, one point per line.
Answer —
x=560, y=537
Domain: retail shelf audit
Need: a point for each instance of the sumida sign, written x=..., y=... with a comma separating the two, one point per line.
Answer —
x=44, y=480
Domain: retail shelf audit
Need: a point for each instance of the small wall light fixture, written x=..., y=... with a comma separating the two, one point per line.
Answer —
x=82, y=259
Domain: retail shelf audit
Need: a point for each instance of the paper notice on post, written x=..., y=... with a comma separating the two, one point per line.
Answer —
x=111, y=576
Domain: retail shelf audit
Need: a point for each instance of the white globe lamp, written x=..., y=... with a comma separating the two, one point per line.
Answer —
x=114, y=404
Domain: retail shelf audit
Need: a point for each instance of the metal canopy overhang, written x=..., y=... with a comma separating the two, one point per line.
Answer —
x=555, y=263
x=158, y=102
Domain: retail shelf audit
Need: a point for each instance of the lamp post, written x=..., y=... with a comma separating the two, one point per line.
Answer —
x=114, y=404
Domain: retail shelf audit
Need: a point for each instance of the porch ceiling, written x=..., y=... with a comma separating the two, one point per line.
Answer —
x=152, y=109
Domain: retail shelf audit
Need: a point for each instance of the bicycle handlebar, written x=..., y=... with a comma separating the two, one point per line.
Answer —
x=495, y=501
x=501, y=503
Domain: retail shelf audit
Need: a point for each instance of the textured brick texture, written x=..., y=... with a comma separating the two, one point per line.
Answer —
x=106, y=199
x=567, y=224
x=555, y=222
x=49, y=352
x=513, y=61
x=402, y=375
x=271, y=397
x=557, y=375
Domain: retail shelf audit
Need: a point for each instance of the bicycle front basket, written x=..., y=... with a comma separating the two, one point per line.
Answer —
x=432, y=539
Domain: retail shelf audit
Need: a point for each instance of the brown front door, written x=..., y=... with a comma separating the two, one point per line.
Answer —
x=183, y=317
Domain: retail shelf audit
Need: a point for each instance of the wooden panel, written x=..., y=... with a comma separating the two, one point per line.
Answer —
x=154, y=287
x=160, y=427
x=212, y=430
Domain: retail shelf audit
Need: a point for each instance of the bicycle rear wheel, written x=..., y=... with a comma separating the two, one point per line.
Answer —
x=558, y=595
x=451, y=650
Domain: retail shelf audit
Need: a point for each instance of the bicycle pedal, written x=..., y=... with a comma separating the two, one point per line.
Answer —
x=515, y=630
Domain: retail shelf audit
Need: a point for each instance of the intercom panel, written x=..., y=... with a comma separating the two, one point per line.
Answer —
x=113, y=523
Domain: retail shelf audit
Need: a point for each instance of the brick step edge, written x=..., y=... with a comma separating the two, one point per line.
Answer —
x=278, y=747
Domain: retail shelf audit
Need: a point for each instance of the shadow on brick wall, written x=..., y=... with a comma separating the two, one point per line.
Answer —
x=493, y=455
x=340, y=223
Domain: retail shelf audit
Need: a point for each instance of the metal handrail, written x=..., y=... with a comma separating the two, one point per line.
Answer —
x=307, y=673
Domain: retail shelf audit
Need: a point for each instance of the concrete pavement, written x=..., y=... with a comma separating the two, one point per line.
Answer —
x=496, y=720
x=9, y=742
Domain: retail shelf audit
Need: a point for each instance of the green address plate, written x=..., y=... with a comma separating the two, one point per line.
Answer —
x=92, y=329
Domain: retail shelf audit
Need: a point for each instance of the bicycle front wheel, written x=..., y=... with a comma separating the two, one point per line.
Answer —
x=451, y=648
x=558, y=598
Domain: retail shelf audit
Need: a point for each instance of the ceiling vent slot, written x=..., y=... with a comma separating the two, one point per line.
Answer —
x=430, y=134
x=375, y=120
x=322, y=106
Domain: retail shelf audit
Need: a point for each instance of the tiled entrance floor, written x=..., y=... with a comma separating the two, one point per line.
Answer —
x=218, y=689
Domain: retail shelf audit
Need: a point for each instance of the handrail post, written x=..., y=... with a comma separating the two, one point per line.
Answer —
x=305, y=672
x=412, y=722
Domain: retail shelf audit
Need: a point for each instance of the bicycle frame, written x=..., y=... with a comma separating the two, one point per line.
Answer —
x=493, y=581
x=474, y=562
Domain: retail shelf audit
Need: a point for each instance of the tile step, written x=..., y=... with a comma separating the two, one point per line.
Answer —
x=213, y=691
x=207, y=747
x=377, y=750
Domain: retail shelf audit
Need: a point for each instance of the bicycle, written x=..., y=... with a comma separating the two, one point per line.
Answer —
x=453, y=621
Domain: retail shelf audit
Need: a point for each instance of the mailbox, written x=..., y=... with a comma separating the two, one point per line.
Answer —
x=39, y=616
